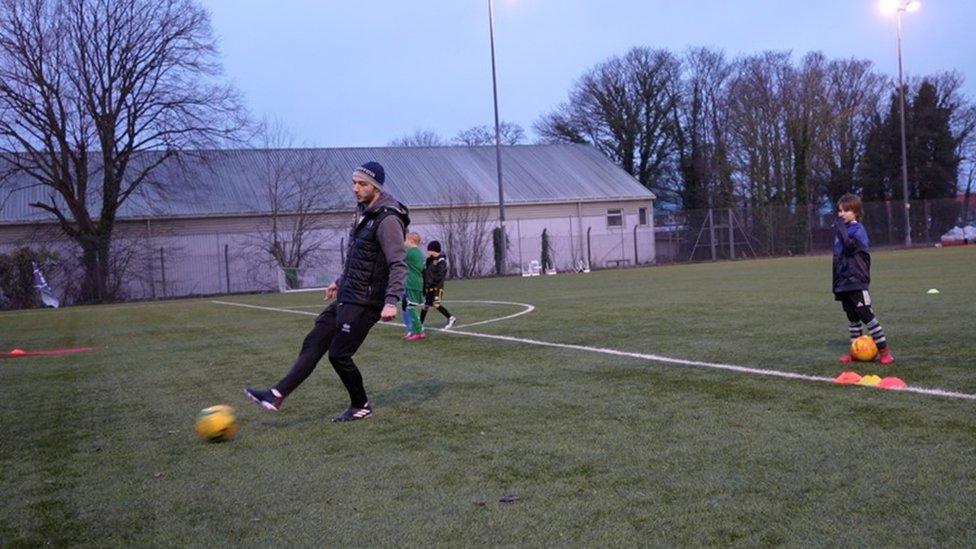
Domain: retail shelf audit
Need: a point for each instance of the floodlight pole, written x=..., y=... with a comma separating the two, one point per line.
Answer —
x=904, y=148
x=498, y=141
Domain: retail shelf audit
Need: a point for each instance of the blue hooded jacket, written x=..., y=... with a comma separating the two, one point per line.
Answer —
x=852, y=259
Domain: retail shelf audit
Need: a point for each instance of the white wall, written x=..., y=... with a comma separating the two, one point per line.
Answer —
x=177, y=257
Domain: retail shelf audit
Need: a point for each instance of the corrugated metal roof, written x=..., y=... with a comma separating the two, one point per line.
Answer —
x=227, y=182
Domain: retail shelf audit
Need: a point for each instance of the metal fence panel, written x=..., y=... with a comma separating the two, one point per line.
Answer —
x=155, y=266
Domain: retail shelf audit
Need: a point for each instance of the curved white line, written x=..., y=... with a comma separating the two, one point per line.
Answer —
x=528, y=309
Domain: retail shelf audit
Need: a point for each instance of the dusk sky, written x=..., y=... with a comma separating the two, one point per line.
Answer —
x=362, y=72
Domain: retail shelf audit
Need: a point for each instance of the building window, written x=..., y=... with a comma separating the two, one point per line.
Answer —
x=615, y=218
x=642, y=216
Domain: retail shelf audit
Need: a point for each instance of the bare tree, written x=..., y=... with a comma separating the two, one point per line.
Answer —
x=807, y=124
x=701, y=131
x=969, y=182
x=624, y=107
x=290, y=183
x=95, y=95
x=854, y=95
x=464, y=229
x=963, y=125
x=962, y=111
x=419, y=138
x=761, y=148
x=511, y=134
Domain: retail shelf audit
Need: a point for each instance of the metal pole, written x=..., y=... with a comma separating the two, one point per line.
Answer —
x=589, y=249
x=904, y=148
x=635, y=244
x=498, y=137
x=731, y=235
x=711, y=233
x=518, y=227
x=152, y=263
x=227, y=265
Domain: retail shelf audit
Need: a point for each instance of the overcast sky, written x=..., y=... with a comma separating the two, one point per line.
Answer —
x=362, y=72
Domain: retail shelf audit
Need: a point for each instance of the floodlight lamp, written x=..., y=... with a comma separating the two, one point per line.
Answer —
x=889, y=7
x=914, y=5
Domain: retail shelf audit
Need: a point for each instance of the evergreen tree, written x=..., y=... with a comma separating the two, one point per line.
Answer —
x=933, y=165
x=879, y=172
x=546, y=255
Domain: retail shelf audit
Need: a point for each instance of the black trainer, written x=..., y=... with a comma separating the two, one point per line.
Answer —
x=269, y=399
x=353, y=414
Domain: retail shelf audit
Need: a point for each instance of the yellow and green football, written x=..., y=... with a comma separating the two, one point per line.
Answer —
x=217, y=423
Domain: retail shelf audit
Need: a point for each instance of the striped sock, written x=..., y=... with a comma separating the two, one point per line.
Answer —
x=855, y=330
x=877, y=332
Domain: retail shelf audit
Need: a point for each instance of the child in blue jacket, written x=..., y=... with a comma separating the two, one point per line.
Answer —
x=852, y=276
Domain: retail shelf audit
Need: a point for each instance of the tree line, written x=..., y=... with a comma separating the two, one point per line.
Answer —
x=702, y=130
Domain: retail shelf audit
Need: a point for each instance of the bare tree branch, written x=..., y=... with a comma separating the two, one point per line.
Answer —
x=464, y=229
x=511, y=134
x=624, y=108
x=419, y=138
x=96, y=95
x=295, y=236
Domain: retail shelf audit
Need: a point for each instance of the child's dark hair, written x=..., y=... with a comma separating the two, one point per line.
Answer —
x=851, y=203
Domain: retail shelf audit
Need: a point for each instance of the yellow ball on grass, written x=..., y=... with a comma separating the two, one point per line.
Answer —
x=217, y=423
x=863, y=349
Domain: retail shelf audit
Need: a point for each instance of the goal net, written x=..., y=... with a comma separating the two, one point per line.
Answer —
x=304, y=279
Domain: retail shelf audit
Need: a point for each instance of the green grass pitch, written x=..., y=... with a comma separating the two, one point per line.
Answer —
x=99, y=449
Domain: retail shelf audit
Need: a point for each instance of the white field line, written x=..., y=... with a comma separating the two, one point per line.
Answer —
x=528, y=309
x=260, y=308
x=643, y=356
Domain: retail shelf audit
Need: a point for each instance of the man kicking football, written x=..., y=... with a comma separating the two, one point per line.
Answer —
x=369, y=289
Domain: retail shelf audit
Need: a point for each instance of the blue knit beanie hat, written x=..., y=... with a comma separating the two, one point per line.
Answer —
x=372, y=172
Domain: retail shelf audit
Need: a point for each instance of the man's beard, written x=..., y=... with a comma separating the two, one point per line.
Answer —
x=367, y=198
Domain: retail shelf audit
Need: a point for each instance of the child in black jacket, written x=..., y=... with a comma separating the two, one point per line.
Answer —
x=852, y=276
x=435, y=273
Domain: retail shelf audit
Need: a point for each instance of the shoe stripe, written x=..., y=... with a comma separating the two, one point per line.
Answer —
x=264, y=403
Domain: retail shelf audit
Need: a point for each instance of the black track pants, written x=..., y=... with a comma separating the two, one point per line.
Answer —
x=338, y=331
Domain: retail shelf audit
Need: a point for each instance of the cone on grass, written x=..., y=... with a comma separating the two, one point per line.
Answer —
x=18, y=352
x=892, y=382
x=870, y=380
x=847, y=378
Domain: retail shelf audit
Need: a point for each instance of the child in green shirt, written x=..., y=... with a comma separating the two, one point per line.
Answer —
x=414, y=296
